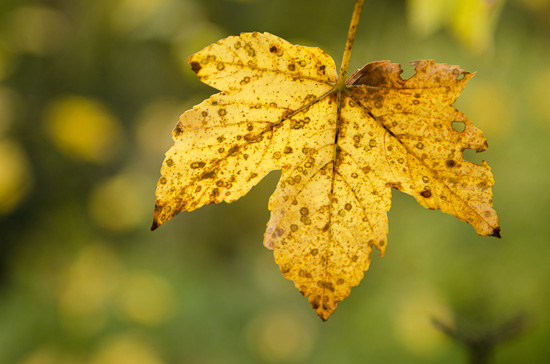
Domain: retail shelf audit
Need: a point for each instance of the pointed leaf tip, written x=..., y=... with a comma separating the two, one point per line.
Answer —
x=496, y=232
x=155, y=225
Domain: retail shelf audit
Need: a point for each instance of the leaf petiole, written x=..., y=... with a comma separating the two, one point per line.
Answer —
x=349, y=44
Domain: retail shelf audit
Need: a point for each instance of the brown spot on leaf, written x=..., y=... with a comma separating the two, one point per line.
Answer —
x=178, y=130
x=316, y=302
x=195, y=66
x=208, y=175
x=196, y=165
x=426, y=194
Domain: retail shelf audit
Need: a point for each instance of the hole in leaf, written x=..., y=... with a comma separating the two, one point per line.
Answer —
x=471, y=155
x=459, y=126
x=460, y=76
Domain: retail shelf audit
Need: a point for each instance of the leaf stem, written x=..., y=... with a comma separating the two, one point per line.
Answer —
x=349, y=44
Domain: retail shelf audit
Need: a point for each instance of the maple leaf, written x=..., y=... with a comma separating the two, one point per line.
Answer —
x=341, y=147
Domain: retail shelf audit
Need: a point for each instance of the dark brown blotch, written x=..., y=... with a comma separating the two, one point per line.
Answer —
x=233, y=150
x=196, y=165
x=426, y=194
x=208, y=175
x=178, y=130
x=450, y=163
x=195, y=66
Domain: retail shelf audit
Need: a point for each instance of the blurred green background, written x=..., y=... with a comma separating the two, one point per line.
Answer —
x=89, y=93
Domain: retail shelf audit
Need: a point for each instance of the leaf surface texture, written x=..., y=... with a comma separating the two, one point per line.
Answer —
x=341, y=151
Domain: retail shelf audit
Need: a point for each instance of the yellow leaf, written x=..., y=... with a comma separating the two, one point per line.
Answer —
x=341, y=148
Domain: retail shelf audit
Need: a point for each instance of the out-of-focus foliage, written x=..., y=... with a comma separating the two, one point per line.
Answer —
x=471, y=21
x=77, y=288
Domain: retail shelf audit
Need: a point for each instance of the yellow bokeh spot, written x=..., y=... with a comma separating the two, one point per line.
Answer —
x=89, y=282
x=15, y=175
x=83, y=128
x=117, y=204
x=471, y=24
x=146, y=298
x=428, y=16
x=125, y=349
x=471, y=21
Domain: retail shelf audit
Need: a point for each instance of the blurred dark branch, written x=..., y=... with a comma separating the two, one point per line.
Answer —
x=481, y=345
